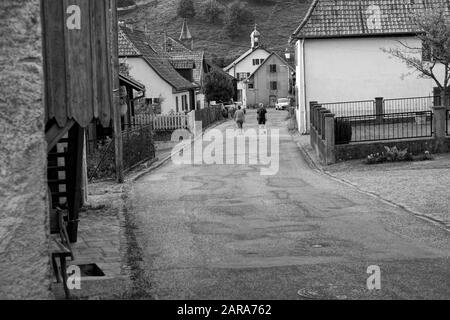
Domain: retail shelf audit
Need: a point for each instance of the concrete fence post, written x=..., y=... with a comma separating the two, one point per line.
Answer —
x=379, y=108
x=440, y=128
x=316, y=115
x=319, y=120
x=324, y=128
x=329, y=138
x=439, y=121
x=322, y=113
x=312, y=105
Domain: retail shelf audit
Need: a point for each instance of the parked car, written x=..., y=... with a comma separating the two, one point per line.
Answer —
x=282, y=104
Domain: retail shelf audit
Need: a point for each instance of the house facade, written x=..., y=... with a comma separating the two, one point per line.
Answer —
x=164, y=85
x=269, y=82
x=340, y=54
x=247, y=64
x=190, y=63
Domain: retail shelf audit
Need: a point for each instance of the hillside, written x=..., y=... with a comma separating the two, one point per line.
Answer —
x=276, y=21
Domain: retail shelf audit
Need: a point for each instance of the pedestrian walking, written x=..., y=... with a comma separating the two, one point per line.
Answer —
x=261, y=116
x=239, y=116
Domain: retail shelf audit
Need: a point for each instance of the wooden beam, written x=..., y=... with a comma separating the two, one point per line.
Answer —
x=117, y=127
x=55, y=133
x=74, y=167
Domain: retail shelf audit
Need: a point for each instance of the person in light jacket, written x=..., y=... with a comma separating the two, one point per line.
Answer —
x=239, y=116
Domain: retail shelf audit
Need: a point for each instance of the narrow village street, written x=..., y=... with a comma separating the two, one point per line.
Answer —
x=226, y=232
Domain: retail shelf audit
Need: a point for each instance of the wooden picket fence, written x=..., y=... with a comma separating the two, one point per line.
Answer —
x=162, y=122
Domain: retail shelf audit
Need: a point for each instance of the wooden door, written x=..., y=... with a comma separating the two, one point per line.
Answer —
x=272, y=101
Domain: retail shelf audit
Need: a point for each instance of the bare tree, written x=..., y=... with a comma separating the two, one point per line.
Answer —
x=432, y=59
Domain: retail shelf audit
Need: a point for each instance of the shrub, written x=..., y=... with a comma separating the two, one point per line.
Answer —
x=218, y=87
x=343, y=131
x=186, y=9
x=238, y=15
x=395, y=155
x=213, y=11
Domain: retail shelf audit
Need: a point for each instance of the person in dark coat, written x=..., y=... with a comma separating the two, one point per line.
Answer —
x=261, y=116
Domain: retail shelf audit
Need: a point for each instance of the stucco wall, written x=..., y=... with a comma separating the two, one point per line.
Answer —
x=262, y=92
x=24, y=257
x=155, y=86
x=356, y=69
x=246, y=65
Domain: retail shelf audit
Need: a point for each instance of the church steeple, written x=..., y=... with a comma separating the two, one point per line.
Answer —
x=255, y=38
x=185, y=36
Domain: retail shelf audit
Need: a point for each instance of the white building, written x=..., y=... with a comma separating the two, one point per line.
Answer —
x=339, y=53
x=247, y=64
x=164, y=85
x=269, y=82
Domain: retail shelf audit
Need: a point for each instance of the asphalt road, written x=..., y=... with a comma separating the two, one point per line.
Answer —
x=227, y=232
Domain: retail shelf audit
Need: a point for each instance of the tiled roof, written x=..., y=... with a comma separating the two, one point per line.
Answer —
x=343, y=18
x=182, y=63
x=174, y=46
x=126, y=47
x=180, y=52
x=158, y=62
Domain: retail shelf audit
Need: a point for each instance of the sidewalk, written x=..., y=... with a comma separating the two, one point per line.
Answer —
x=419, y=187
x=106, y=237
x=101, y=241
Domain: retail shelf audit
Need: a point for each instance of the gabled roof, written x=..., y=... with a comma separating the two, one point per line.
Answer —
x=349, y=18
x=180, y=53
x=126, y=47
x=242, y=57
x=267, y=59
x=175, y=46
x=138, y=40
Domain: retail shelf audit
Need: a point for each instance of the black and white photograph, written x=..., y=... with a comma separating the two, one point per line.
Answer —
x=225, y=155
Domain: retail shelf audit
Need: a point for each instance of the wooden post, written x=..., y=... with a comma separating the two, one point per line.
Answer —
x=116, y=92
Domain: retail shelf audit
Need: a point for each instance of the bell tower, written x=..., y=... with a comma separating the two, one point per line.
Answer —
x=255, y=38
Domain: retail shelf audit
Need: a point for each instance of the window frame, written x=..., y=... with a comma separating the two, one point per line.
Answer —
x=273, y=85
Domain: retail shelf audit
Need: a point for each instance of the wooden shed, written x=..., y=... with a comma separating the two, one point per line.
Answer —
x=81, y=84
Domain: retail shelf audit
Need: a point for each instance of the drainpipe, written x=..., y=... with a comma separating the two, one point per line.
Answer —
x=305, y=131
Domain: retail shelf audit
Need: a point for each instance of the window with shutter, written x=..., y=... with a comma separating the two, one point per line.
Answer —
x=273, y=85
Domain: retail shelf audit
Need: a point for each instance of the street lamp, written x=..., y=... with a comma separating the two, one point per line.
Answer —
x=287, y=54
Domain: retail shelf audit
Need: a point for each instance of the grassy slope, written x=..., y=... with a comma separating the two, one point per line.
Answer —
x=275, y=22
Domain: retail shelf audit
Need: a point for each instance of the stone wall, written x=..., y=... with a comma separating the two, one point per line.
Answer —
x=24, y=257
x=361, y=150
